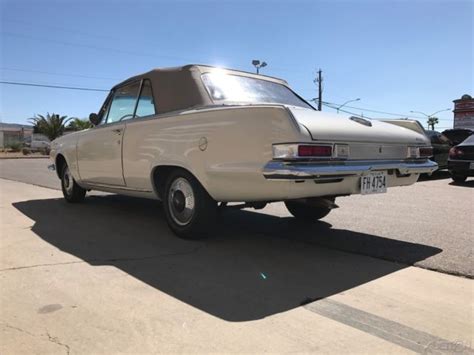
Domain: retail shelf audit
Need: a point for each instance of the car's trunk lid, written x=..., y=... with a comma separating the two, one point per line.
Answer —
x=325, y=126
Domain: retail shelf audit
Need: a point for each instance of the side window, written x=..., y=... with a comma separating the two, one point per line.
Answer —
x=123, y=103
x=146, y=105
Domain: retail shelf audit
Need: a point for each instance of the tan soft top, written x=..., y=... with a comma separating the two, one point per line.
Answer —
x=180, y=88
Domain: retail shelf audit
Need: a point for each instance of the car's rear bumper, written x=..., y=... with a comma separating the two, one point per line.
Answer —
x=281, y=170
x=461, y=167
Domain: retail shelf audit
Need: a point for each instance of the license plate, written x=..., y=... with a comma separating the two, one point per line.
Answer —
x=373, y=183
x=471, y=166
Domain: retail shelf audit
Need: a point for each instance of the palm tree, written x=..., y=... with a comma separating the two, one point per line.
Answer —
x=51, y=125
x=432, y=121
x=78, y=124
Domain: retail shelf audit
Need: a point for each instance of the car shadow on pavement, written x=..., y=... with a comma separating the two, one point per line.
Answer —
x=255, y=266
x=467, y=183
x=437, y=175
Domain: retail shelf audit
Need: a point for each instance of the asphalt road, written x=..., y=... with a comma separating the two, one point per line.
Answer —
x=428, y=224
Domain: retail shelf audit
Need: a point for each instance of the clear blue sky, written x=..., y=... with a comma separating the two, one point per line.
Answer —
x=396, y=56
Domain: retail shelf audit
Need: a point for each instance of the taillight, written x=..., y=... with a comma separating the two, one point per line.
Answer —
x=314, y=151
x=295, y=151
x=420, y=152
x=426, y=152
x=455, y=152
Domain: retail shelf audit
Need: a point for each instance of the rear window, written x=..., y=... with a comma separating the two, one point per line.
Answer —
x=469, y=140
x=228, y=88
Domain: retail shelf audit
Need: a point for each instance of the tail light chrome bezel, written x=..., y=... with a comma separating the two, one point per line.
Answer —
x=293, y=151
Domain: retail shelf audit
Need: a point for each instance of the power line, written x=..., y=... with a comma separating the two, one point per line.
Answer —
x=121, y=39
x=352, y=113
x=51, y=86
x=384, y=112
x=341, y=110
x=59, y=74
x=62, y=29
x=99, y=48
x=376, y=111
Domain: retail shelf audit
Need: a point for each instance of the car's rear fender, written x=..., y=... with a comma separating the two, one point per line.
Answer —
x=225, y=148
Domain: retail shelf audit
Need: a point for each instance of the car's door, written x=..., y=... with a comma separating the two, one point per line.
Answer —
x=99, y=150
x=140, y=143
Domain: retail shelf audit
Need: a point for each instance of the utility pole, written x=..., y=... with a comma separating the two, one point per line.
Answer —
x=319, y=80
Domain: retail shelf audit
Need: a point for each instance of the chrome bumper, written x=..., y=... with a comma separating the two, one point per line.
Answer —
x=280, y=170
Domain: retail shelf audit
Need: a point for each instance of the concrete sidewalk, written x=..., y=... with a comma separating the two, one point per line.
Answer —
x=109, y=277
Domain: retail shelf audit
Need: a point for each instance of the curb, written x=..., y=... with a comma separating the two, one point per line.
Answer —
x=26, y=157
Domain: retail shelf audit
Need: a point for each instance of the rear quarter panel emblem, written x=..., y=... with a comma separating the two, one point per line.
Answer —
x=203, y=144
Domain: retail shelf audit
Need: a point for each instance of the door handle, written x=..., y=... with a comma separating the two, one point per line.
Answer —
x=117, y=131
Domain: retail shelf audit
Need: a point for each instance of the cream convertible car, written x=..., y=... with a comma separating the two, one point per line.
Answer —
x=196, y=135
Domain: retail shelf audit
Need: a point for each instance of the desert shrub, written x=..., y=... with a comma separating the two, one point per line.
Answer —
x=15, y=147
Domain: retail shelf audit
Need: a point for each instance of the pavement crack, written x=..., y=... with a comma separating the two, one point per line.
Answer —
x=55, y=340
x=106, y=260
x=39, y=265
x=18, y=329
x=52, y=339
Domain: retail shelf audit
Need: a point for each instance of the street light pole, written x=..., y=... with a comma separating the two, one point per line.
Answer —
x=430, y=117
x=257, y=64
x=345, y=103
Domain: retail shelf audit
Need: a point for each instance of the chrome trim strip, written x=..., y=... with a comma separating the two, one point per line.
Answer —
x=114, y=187
x=280, y=170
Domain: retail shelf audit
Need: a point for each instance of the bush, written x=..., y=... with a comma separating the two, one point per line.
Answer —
x=15, y=147
x=26, y=151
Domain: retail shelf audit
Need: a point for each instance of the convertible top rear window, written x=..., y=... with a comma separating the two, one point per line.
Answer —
x=228, y=88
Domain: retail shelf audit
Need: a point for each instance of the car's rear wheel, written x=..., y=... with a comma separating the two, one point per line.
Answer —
x=71, y=190
x=307, y=212
x=190, y=211
x=458, y=177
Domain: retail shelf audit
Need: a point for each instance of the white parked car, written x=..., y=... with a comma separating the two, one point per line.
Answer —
x=196, y=136
x=37, y=141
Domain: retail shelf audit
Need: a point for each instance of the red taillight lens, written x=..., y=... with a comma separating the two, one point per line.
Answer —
x=455, y=152
x=314, y=151
x=426, y=152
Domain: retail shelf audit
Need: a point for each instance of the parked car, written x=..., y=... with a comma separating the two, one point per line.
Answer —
x=196, y=135
x=461, y=160
x=441, y=146
x=457, y=135
x=37, y=142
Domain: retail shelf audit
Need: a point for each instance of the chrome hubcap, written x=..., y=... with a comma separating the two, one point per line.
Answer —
x=181, y=201
x=68, y=181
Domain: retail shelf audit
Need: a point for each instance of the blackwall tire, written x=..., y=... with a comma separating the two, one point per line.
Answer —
x=457, y=178
x=306, y=212
x=72, y=192
x=190, y=211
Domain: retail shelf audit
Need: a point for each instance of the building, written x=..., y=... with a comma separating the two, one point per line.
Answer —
x=464, y=112
x=12, y=133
